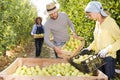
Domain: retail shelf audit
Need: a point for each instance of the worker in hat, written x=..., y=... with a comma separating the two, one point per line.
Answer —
x=57, y=25
x=106, y=37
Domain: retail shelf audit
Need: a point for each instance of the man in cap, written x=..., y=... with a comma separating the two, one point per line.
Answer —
x=57, y=25
x=106, y=37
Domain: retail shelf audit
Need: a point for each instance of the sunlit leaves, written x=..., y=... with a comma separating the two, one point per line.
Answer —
x=16, y=21
x=84, y=27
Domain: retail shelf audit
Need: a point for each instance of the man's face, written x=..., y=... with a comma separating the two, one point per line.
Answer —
x=54, y=15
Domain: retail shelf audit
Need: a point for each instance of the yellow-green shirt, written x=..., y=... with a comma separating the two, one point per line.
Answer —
x=108, y=33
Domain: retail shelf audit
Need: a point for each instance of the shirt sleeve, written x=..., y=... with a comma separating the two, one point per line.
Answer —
x=115, y=32
x=70, y=23
x=47, y=36
x=92, y=46
x=33, y=30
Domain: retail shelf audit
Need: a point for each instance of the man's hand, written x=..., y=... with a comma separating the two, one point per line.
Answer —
x=75, y=35
x=57, y=50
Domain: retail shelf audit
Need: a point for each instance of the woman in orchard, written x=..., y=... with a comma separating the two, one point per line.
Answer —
x=106, y=37
x=37, y=32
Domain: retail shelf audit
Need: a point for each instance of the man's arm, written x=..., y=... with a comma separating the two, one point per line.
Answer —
x=70, y=24
x=47, y=36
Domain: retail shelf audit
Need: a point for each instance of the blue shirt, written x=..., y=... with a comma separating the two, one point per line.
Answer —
x=35, y=29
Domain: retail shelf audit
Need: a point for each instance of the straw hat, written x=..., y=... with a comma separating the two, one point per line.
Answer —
x=51, y=8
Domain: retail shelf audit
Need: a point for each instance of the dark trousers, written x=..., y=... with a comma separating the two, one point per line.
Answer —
x=109, y=67
x=56, y=54
x=38, y=46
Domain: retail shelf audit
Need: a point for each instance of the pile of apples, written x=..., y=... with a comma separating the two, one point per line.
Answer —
x=38, y=35
x=78, y=59
x=59, y=69
x=71, y=45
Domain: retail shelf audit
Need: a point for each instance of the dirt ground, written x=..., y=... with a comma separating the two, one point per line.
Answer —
x=28, y=52
x=47, y=52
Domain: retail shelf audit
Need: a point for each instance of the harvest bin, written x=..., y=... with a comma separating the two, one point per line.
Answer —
x=42, y=62
x=69, y=54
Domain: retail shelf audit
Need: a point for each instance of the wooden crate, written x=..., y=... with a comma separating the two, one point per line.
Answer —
x=42, y=62
x=69, y=54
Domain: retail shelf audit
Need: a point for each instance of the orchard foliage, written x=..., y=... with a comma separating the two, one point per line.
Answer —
x=75, y=10
x=84, y=27
x=16, y=20
x=113, y=7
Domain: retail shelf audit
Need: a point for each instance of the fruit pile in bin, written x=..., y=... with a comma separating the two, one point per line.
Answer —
x=59, y=69
x=72, y=44
x=72, y=47
x=87, y=62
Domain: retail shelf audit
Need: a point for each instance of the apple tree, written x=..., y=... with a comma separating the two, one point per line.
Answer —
x=16, y=20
